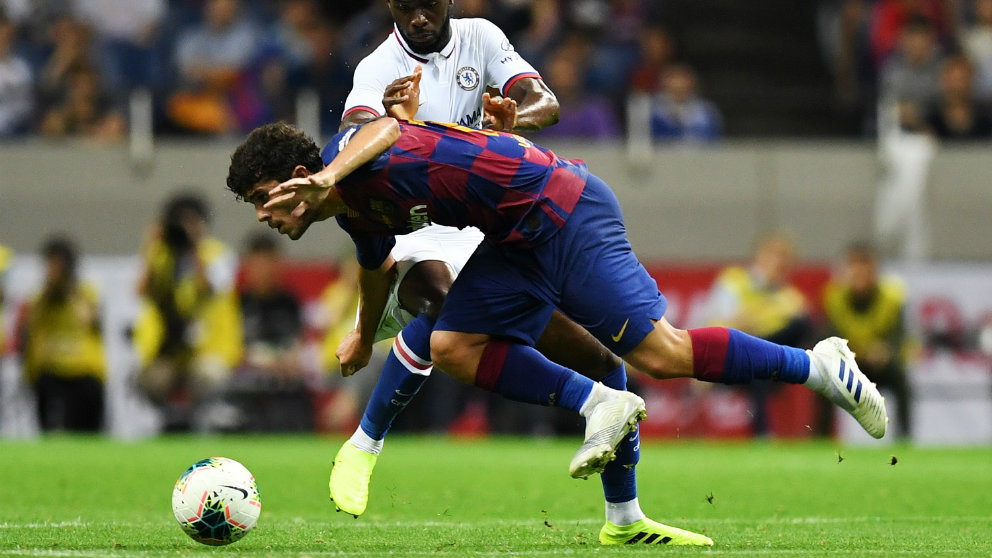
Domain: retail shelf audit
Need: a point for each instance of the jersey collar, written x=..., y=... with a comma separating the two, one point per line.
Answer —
x=445, y=52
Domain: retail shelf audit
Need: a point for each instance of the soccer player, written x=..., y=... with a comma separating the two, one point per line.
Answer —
x=455, y=63
x=554, y=238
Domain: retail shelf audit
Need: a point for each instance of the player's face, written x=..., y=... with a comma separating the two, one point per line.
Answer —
x=423, y=23
x=279, y=218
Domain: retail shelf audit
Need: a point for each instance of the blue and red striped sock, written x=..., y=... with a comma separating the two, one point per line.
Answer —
x=730, y=356
x=406, y=369
x=521, y=373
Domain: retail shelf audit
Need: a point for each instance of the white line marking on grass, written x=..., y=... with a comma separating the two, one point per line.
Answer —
x=561, y=551
x=44, y=524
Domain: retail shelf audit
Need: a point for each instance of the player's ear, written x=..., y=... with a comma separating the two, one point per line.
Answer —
x=300, y=172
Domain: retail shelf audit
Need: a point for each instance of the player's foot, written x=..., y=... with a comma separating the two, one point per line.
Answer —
x=350, y=479
x=647, y=531
x=606, y=425
x=848, y=387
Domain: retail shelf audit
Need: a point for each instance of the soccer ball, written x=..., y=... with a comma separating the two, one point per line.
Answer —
x=216, y=501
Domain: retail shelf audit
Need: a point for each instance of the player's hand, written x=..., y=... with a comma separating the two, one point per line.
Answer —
x=353, y=353
x=499, y=113
x=301, y=196
x=402, y=97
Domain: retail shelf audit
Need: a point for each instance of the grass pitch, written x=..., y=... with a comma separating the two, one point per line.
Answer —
x=89, y=496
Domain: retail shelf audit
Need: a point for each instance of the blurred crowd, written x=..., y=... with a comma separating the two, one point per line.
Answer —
x=216, y=67
x=224, y=341
x=930, y=59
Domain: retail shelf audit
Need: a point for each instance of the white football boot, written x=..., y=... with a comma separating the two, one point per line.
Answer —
x=606, y=426
x=847, y=387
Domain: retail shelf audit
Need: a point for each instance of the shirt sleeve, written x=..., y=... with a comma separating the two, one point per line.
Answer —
x=370, y=250
x=504, y=66
x=369, y=84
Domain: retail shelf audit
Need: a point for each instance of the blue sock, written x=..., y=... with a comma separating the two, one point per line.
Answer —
x=619, y=478
x=406, y=369
x=729, y=356
x=520, y=373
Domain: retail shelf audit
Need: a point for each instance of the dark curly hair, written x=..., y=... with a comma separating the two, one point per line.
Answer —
x=271, y=152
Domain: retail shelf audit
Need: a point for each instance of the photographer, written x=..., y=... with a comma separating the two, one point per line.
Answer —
x=188, y=335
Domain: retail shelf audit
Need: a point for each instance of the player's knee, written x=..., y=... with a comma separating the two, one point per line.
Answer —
x=456, y=353
x=425, y=287
x=666, y=353
x=446, y=352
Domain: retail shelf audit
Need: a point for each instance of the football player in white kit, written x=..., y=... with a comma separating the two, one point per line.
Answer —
x=462, y=60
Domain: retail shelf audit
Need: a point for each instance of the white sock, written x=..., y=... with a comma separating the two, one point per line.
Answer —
x=598, y=394
x=816, y=381
x=366, y=443
x=624, y=513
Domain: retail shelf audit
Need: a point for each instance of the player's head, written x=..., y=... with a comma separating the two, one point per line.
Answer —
x=775, y=256
x=271, y=154
x=424, y=24
x=861, y=268
x=60, y=256
x=185, y=218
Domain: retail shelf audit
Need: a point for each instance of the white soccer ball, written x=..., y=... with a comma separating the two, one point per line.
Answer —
x=216, y=501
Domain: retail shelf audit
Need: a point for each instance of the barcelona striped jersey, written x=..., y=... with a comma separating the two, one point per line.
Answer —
x=514, y=191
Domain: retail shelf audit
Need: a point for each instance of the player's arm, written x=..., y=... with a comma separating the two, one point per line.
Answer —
x=308, y=194
x=536, y=106
x=355, y=349
x=357, y=117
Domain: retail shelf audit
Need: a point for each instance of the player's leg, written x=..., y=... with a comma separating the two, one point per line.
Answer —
x=569, y=344
x=608, y=291
x=421, y=288
x=486, y=334
x=729, y=356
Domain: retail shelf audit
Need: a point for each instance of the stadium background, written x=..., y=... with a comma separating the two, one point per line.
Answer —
x=794, y=156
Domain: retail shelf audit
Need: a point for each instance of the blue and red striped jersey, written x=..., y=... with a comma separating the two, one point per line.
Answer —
x=514, y=191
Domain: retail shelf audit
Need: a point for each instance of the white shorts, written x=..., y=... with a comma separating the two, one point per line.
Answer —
x=450, y=245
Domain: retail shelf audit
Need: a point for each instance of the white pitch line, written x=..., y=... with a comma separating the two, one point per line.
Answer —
x=535, y=522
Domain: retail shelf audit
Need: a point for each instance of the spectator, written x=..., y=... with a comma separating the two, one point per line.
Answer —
x=69, y=47
x=188, y=335
x=911, y=77
x=678, y=114
x=85, y=110
x=16, y=83
x=584, y=114
x=956, y=115
x=759, y=300
x=268, y=390
x=868, y=311
x=126, y=37
x=270, y=315
x=5, y=257
x=212, y=58
x=63, y=346
x=546, y=29
x=976, y=40
x=891, y=18
x=657, y=49
x=844, y=31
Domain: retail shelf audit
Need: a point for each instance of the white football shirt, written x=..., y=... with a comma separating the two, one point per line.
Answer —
x=478, y=56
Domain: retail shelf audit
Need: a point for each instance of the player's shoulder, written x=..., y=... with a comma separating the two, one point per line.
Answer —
x=477, y=30
x=383, y=58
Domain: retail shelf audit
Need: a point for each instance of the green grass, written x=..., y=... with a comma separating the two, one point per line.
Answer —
x=68, y=496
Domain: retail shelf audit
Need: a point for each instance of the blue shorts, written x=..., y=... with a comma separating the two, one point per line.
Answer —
x=587, y=270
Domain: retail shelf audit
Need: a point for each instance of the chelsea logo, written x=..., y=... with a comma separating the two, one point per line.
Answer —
x=467, y=78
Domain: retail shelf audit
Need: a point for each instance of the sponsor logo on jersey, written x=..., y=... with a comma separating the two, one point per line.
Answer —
x=418, y=217
x=473, y=120
x=467, y=78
